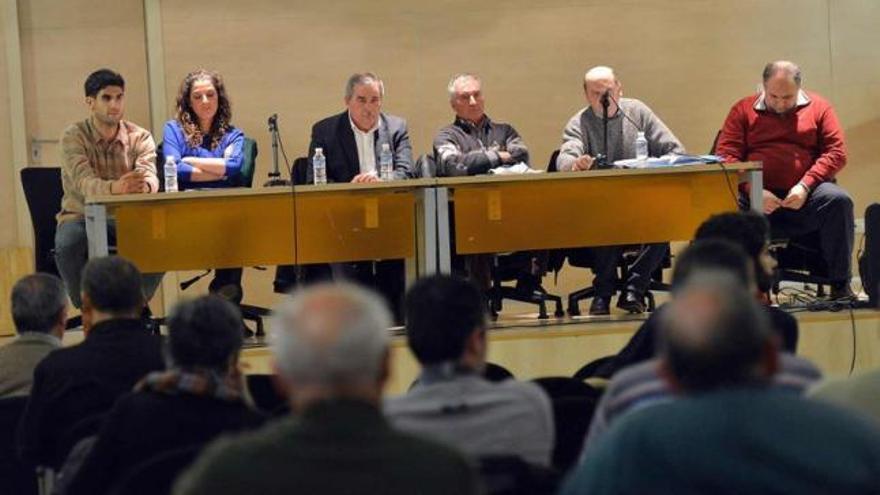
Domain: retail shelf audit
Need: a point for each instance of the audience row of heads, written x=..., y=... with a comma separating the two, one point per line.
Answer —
x=204, y=333
x=333, y=339
x=203, y=106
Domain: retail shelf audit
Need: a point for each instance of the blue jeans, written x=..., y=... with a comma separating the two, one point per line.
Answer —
x=72, y=253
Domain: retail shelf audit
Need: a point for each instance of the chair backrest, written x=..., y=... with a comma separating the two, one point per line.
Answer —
x=248, y=164
x=43, y=192
x=299, y=173
x=266, y=398
x=551, y=165
x=15, y=476
x=573, y=404
x=425, y=167
x=156, y=475
x=510, y=475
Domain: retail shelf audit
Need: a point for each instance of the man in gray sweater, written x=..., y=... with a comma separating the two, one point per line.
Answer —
x=582, y=141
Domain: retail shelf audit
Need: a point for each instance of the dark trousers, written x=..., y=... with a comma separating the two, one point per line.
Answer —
x=829, y=211
x=605, y=261
x=387, y=277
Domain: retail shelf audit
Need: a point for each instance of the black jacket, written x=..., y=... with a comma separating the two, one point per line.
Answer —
x=81, y=382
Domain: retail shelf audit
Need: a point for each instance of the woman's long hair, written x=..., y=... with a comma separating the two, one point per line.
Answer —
x=187, y=116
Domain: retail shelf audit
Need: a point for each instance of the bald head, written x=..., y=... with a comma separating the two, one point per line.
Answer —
x=782, y=84
x=598, y=81
x=332, y=338
x=715, y=335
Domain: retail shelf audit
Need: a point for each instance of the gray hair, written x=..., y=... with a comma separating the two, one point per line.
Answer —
x=363, y=78
x=37, y=301
x=331, y=334
x=599, y=72
x=790, y=69
x=450, y=88
x=714, y=333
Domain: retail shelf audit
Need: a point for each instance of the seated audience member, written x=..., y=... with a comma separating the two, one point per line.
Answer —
x=208, y=150
x=583, y=142
x=474, y=144
x=860, y=392
x=352, y=144
x=332, y=355
x=102, y=154
x=39, y=313
x=731, y=433
x=795, y=134
x=451, y=401
x=751, y=232
x=196, y=399
x=83, y=381
x=641, y=384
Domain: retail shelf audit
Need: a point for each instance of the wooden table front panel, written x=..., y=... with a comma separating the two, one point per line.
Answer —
x=586, y=211
x=337, y=226
x=215, y=232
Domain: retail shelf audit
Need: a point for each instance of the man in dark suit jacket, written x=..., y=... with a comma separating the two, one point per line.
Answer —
x=82, y=382
x=39, y=312
x=352, y=142
x=353, y=139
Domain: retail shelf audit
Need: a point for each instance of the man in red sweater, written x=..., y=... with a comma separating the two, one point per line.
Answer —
x=798, y=138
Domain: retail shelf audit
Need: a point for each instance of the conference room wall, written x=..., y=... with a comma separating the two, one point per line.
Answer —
x=7, y=199
x=689, y=59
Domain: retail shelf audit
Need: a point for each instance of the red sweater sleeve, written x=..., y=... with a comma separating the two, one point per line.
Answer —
x=731, y=145
x=832, y=148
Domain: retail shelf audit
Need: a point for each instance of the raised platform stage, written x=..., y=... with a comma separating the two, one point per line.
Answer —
x=530, y=348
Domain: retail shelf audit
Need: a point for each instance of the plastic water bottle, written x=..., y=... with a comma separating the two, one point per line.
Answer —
x=319, y=166
x=170, y=172
x=386, y=165
x=641, y=147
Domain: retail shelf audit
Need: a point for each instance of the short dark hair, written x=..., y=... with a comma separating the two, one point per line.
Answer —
x=441, y=313
x=37, y=301
x=711, y=254
x=205, y=332
x=113, y=285
x=748, y=229
x=100, y=79
x=723, y=344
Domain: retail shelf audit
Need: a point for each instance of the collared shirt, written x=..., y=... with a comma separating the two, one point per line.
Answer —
x=90, y=163
x=802, y=100
x=366, y=142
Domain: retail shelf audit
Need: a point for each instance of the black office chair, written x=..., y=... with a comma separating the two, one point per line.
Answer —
x=17, y=476
x=511, y=475
x=583, y=258
x=573, y=404
x=528, y=288
x=799, y=258
x=43, y=192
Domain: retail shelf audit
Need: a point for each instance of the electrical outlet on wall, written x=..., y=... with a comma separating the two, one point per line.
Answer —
x=36, y=152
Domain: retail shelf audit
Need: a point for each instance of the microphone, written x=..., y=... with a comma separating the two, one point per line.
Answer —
x=273, y=122
x=606, y=99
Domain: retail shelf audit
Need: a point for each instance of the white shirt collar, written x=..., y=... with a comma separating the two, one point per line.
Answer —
x=366, y=146
x=802, y=99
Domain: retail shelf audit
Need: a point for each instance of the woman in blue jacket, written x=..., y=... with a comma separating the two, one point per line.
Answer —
x=208, y=150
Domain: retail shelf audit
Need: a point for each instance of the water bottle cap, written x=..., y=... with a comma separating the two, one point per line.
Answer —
x=169, y=159
x=641, y=134
x=386, y=147
x=319, y=150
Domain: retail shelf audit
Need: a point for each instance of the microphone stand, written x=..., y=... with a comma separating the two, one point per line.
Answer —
x=275, y=176
x=601, y=161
